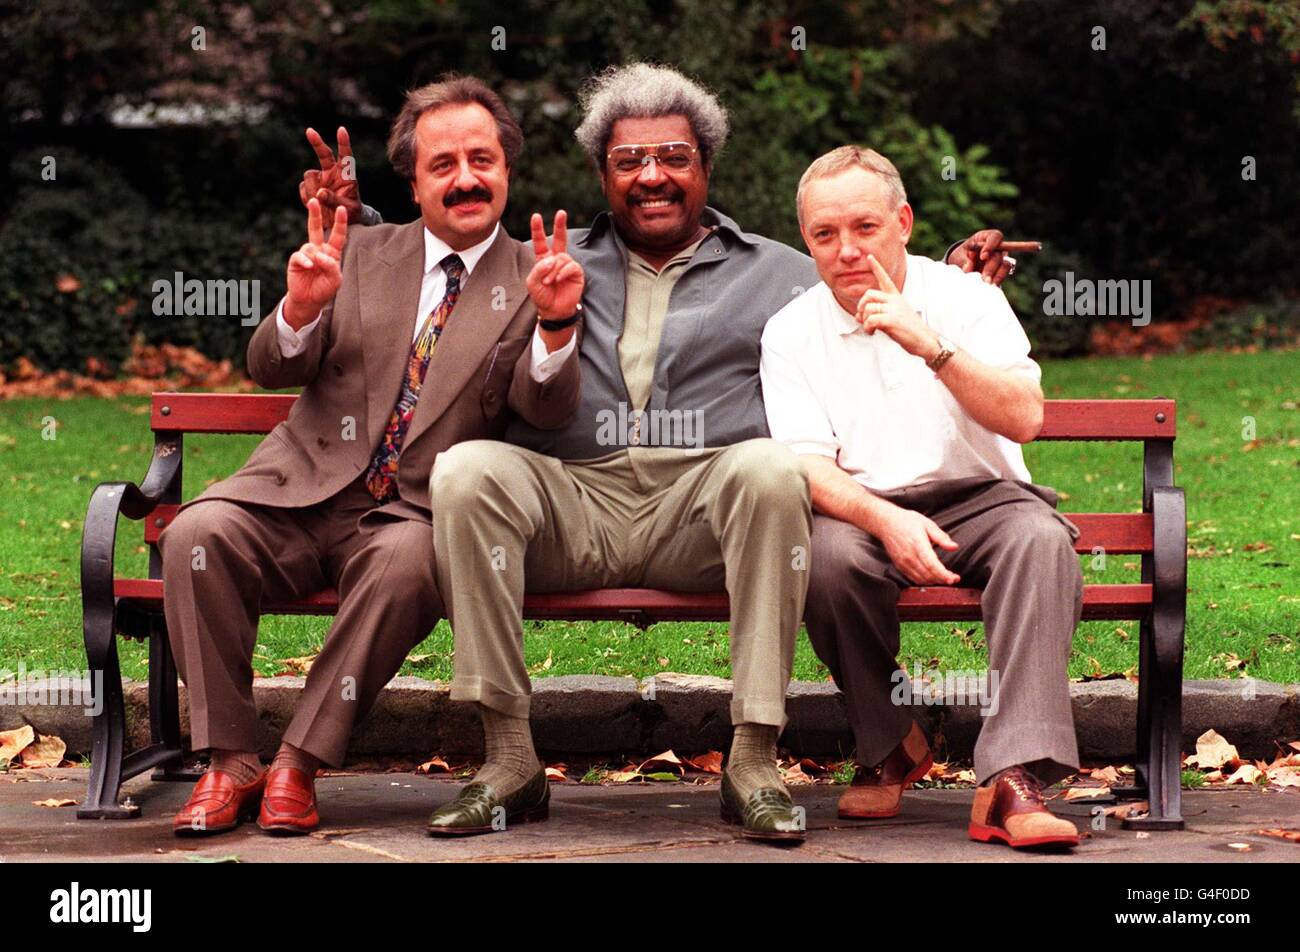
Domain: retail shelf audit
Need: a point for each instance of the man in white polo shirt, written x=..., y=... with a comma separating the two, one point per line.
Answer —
x=906, y=386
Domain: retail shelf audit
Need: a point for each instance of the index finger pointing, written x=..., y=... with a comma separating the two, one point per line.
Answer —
x=560, y=238
x=539, y=236
x=882, y=276
x=321, y=149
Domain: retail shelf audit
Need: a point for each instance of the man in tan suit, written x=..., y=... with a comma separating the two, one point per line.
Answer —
x=407, y=339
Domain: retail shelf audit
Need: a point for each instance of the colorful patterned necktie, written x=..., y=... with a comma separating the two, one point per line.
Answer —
x=381, y=477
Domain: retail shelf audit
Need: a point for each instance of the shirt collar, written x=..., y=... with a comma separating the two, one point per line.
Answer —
x=711, y=218
x=435, y=249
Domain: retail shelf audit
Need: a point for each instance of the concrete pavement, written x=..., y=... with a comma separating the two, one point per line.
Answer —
x=379, y=817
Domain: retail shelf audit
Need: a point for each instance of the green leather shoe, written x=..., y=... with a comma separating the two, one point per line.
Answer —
x=478, y=809
x=768, y=814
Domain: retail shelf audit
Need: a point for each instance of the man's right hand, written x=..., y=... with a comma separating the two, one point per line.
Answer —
x=910, y=538
x=334, y=184
x=314, y=269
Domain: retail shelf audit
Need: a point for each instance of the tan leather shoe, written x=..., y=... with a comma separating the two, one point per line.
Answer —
x=878, y=791
x=217, y=804
x=1011, y=810
x=289, y=803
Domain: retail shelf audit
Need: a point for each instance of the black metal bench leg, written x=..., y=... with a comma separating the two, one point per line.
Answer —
x=1140, y=787
x=1162, y=671
x=164, y=708
x=109, y=730
x=1163, y=741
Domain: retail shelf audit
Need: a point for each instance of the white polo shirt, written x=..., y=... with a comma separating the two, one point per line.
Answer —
x=834, y=390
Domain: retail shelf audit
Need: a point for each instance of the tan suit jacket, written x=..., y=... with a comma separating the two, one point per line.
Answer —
x=352, y=372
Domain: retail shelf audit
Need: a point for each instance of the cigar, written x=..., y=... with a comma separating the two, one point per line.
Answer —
x=1027, y=247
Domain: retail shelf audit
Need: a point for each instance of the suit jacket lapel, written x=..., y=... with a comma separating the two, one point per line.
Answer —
x=471, y=331
x=390, y=277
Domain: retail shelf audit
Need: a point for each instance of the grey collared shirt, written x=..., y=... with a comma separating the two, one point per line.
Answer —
x=704, y=390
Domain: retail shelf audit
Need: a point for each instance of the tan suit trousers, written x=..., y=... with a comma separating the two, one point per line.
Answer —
x=508, y=519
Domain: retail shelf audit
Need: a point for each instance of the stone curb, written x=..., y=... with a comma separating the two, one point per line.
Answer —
x=592, y=715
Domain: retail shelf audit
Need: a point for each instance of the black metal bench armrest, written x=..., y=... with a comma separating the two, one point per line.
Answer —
x=107, y=502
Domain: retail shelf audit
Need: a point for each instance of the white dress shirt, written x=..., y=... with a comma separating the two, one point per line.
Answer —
x=832, y=389
x=433, y=286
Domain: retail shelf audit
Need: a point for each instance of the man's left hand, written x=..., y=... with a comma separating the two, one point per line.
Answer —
x=982, y=252
x=885, y=309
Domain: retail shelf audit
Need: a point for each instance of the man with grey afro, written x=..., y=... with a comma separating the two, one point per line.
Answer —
x=666, y=478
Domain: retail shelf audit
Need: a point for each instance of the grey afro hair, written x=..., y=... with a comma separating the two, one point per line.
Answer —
x=643, y=91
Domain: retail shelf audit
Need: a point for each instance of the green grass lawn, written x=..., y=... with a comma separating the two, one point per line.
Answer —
x=1243, y=499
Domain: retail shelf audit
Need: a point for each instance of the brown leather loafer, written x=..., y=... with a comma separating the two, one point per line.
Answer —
x=1011, y=810
x=289, y=804
x=878, y=791
x=217, y=804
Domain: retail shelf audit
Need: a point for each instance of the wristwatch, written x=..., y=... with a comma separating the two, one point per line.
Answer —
x=560, y=323
x=946, y=349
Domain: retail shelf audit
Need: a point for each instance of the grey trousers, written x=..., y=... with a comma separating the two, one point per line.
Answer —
x=1019, y=549
x=507, y=518
x=222, y=560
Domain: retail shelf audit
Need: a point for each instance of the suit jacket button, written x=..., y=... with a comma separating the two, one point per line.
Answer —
x=338, y=369
x=279, y=479
x=322, y=442
x=489, y=395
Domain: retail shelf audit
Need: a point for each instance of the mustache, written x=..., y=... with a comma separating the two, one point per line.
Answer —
x=638, y=195
x=457, y=197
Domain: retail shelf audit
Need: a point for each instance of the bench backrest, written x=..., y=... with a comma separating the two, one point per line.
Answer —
x=1152, y=422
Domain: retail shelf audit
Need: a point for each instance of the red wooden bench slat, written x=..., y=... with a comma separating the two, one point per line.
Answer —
x=1062, y=419
x=1117, y=533
x=1108, y=420
x=219, y=412
x=914, y=604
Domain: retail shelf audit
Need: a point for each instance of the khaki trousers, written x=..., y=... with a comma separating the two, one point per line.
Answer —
x=222, y=560
x=508, y=519
x=1012, y=543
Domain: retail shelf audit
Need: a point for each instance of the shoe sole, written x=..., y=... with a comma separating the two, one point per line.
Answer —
x=774, y=837
x=249, y=813
x=917, y=772
x=993, y=834
x=286, y=828
x=535, y=815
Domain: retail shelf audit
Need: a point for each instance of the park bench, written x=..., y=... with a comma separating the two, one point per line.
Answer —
x=133, y=607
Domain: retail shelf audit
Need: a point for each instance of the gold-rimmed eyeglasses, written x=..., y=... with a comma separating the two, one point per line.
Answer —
x=674, y=156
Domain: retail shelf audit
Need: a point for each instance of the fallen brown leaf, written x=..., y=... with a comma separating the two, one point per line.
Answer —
x=794, y=776
x=1106, y=775
x=12, y=742
x=1285, y=776
x=299, y=666
x=1246, y=773
x=52, y=802
x=665, y=761
x=432, y=765
x=710, y=763
x=1122, y=810
x=45, y=751
x=1292, y=835
x=1086, y=793
x=1211, y=751
x=556, y=772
